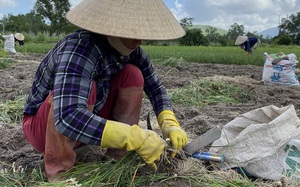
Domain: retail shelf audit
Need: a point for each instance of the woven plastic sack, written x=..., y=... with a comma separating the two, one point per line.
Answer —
x=9, y=44
x=279, y=69
x=264, y=142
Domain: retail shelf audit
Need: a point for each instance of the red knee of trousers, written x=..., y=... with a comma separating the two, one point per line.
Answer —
x=130, y=76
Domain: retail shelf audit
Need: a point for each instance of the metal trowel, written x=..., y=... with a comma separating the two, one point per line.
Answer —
x=202, y=141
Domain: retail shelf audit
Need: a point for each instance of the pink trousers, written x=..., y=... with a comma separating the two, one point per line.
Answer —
x=34, y=126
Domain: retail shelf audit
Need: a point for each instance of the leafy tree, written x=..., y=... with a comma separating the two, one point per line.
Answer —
x=3, y=23
x=297, y=39
x=223, y=40
x=36, y=22
x=235, y=31
x=254, y=33
x=284, y=39
x=53, y=11
x=24, y=23
x=14, y=23
x=211, y=34
x=186, y=23
x=291, y=26
x=193, y=37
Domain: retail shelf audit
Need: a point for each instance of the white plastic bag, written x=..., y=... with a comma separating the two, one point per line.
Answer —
x=265, y=142
x=281, y=73
x=9, y=44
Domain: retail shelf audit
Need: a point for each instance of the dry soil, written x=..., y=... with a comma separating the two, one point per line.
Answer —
x=16, y=80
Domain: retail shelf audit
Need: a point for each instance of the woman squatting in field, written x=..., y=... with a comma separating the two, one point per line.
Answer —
x=88, y=89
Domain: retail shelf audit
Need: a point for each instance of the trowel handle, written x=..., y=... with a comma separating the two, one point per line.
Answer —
x=208, y=156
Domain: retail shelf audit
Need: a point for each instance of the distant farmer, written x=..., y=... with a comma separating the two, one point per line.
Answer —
x=89, y=88
x=247, y=43
x=19, y=38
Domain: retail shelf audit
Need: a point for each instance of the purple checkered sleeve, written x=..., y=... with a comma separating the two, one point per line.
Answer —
x=153, y=87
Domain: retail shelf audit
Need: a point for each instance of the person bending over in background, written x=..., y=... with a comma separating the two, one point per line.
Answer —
x=88, y=89
x=19, y=38
x=248, y=44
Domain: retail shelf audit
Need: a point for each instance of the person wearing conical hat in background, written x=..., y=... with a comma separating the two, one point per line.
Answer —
x=247, y=43
x=88, y=89
x=19, y=38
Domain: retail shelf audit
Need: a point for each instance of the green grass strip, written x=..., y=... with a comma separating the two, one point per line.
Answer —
x=203, y=92
x=5, y=62
x=11, y=111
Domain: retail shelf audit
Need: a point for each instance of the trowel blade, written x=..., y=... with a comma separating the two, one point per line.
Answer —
x=204, y=140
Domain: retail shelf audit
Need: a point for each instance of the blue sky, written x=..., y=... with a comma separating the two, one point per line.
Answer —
x=255, y=15
x=16, y=7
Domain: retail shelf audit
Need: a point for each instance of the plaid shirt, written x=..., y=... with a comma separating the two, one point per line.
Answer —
x=69, y=70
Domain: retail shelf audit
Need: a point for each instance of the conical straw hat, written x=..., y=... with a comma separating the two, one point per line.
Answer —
x=240, y=39
x=136, y=19
x=19, y=36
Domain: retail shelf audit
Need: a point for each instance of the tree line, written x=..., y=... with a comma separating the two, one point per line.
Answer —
x=49, y=16
x=46, y=16
x=289, y=33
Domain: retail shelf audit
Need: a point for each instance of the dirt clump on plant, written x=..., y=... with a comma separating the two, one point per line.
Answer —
x=17, y=79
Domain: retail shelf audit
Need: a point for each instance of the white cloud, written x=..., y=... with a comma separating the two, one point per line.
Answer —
x=255, y=15
x=178, y=11
x=8, y=3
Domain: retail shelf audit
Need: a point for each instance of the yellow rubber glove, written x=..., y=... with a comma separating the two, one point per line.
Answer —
x=171, y=129
x=146, y=143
